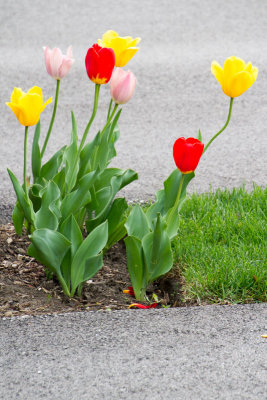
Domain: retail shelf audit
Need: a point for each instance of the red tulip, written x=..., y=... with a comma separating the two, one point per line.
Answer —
x=187, y=153
x=99, y=63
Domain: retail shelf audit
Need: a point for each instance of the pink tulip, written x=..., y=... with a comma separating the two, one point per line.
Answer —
x=58, y=64
x=122, y=85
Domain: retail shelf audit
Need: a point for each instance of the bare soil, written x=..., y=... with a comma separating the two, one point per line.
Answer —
x=25, y=289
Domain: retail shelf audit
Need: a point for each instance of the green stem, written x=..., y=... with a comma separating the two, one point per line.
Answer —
x=177, y=199
x=97, y=88
x=52, y=119
x=109, y=118
x=223, y=128
x=25, y=163
x=109, y=108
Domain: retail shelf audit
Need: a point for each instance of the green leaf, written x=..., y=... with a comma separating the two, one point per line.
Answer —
x=165, y=198
x=92, y=266
x=25, y=204
x=137, y=224
x=157, y=251
x=101, y=203
x=74, y=201
x=49, y=213
x=50, y=248
x=135, y=265
x=36, y=154
x=18, y=218
x=199, y=136
x=116, y=221
x=50, y=169
x=87, y=155
x=69, y=158
x=91, y=246
x=70, y=229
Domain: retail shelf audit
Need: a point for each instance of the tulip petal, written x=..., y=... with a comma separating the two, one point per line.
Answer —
x=108, y=37
x=30, y=109
x=15, y=108
x=217, y=71
x=137, y=305
x=240, y=83
x=126, y=56
x=16, y=95
x=46, y=103
x=69, y=52
x=36, y=90
x=65, y=67
x=55, y=62
x=48, y=51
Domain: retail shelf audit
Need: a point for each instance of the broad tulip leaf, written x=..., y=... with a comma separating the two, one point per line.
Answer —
x=80, y=197
x=50, y=169
x=92, y=266
x=116, y=221
x=137, y=224
x=25, y=204
x=72, y=232
x=101, y=203
x=50, y=248
x=104, y=178
x=59, y=179
x=86, y=162
x=90, y=247
x=165, y=198
x=36, y=154
x=157, y=251
x=18, y=218
x=135, y=263
x=49, y=213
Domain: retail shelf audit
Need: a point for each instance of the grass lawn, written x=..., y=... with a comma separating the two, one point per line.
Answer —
x=222, y=246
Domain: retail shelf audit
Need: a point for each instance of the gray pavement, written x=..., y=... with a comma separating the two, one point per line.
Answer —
x=198, y=353
x=202, y=353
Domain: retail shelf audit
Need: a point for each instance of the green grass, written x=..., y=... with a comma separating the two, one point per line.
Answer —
x=221, y=248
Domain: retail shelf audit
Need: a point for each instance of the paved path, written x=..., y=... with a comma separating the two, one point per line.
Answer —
x=203, y=353
x=199, y=353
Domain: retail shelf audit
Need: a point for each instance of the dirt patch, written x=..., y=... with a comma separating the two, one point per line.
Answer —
x=24, y=288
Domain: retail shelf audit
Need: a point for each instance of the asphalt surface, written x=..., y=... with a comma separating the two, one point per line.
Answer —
x=203, y=353
x=198, y=353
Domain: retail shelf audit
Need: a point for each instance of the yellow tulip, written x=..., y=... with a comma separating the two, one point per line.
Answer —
x=28, y=106
x=124, y=47
x=235, y=77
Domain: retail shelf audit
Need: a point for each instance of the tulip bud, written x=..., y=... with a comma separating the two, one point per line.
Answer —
x=187, y=153
x=99, y=64
x=58, y=64
x=122, y=85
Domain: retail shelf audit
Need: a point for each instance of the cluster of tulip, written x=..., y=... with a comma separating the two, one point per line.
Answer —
x=75, y=188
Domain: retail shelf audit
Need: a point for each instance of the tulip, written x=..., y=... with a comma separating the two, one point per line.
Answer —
x=235, y=77
x=58, y=64
x=99, y=63
x=122, y=85
x=124, y=47
x=28, y=106
x=187, y=153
